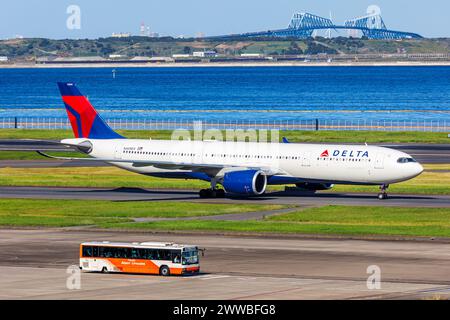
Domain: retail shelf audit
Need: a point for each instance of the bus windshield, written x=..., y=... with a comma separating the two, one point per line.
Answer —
x=190, y=257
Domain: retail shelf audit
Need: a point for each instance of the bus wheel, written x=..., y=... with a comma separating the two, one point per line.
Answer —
x=104, y=270
x=164, y=271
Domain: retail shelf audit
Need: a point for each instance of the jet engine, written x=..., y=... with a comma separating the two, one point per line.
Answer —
x=245, y=182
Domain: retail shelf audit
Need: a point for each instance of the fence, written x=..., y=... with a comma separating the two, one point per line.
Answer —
x=167, y=124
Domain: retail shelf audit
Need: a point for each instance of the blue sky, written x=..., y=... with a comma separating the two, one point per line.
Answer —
x=99, y=18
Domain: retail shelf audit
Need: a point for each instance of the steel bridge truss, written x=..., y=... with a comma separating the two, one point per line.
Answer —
x=303, y=25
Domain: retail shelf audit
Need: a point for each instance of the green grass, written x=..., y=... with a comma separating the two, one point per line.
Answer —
x=435, y=182
x=330, y=220
x=427, y=183
x=369, y=216
x=63, y=213
x=109, y=177
x=64, y=134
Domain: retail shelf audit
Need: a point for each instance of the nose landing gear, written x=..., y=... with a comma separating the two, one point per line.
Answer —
x=383, y=192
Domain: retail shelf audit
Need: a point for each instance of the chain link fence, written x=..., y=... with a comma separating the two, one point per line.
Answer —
x=167, y=124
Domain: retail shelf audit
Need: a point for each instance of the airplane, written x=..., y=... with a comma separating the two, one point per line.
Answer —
x=241, y=168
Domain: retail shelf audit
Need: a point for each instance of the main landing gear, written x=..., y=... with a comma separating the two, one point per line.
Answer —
x=212, y=192
x=383, y=192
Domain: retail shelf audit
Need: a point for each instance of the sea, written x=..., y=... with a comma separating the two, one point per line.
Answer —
x=235, y=93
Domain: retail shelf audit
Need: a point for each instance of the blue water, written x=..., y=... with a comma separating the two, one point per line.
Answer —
x=263, y=93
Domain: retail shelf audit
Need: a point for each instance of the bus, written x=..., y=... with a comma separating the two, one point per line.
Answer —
x=147, y=257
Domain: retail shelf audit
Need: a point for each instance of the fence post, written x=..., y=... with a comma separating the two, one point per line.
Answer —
x=317, y=124
x=15, y=123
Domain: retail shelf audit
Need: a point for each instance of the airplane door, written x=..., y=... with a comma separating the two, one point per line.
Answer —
x=306, y=159
x=118, y=152
x=379, y=161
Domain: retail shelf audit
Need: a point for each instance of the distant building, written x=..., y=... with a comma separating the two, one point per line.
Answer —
x=90, y=59
x=161, y=59
x=3, y=59
x=151, y=59
x=116, y=56
x=252, y=55
x=204, y=54
x=121, y=35
x=182, y=55
x=144, y=31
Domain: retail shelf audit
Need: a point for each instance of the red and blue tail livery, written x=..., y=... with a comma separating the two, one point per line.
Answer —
x=85, y=121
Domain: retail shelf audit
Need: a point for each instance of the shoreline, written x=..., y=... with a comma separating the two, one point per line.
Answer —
x=227, y=64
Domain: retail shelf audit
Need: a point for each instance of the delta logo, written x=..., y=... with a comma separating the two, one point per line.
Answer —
x=324, y=154
x=346, y=153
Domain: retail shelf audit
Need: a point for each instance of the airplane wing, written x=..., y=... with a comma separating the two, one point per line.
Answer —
x=212, y=169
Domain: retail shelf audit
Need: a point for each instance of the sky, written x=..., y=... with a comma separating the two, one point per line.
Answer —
x=100, y=18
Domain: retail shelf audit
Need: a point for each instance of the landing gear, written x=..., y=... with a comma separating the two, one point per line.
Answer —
x=212, y=192
x=383, y=192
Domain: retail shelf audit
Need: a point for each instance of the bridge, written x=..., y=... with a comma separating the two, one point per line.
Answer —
x=303, y=25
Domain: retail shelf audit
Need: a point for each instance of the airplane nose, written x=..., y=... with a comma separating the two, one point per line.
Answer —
x=416, y=170
x=419, y=168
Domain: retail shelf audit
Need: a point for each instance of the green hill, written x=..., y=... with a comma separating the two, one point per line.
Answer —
x=30, y=49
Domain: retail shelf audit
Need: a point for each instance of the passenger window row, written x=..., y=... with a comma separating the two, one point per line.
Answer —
x=343, y=159
x=212, y=155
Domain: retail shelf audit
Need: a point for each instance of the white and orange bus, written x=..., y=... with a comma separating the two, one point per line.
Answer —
x=146, y=257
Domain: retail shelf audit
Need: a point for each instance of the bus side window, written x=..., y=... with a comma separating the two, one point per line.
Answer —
x=127, y=253
x=135, y=253
x=107, y=252
x=152, y=254
x=95, y=251
x=164, y=255
x=176, y=256
x=143, y=253
x=122, y=253
x=87, y=251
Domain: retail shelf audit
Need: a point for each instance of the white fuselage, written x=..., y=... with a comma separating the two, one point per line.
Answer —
x=286, y=162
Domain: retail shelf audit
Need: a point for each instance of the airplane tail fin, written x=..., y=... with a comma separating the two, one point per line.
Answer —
x=85, y=121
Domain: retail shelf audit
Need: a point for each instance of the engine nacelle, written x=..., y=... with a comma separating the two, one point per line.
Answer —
x=246, y=182
x=314, y=186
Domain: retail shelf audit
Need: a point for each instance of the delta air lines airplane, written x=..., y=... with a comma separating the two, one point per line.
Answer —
x=241, y=168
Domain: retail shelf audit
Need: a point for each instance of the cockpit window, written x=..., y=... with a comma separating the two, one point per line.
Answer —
x=406, y=160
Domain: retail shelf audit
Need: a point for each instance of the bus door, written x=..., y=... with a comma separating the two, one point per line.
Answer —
x=96, y=262
x=91, y=254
